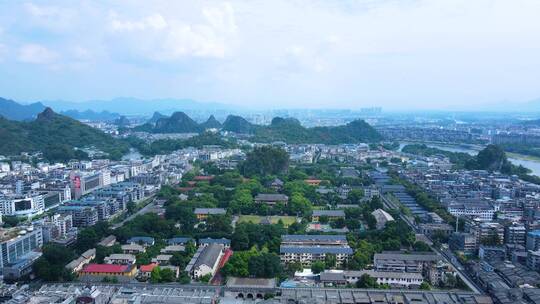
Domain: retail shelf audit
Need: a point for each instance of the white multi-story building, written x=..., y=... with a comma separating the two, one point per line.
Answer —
x=483, y=212
x=4, y=167
x=306, y=255
x=30, y=204
x=394, y=279
x=106, y=176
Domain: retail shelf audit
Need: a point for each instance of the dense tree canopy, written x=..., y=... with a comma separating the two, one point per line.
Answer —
x=265, y=160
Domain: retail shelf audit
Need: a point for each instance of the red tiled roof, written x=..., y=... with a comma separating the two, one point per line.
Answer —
x=148, y=268
x=106, y=268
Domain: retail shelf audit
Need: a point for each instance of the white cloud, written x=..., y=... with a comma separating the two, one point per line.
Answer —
x=43, y=11
x=37, y=54
x=291, y=51
x=152, y=22
x=53, y=18
x=162, y=37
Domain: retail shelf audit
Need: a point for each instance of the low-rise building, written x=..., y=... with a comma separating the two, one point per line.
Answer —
x=179, y=241
x=120, y=259
x=306, y=255
x=96, y=272
x=170, y=249
x=314, y=239
x=400, y=262
x=382, y=217
x=107, y=241
x=145, y=271
x=142, y=240
x=203, y=213
x=79, y=263
x=133, y=249
x=162, y=259
x=330, y=214
x=271, y=199
x=431, y=229
x=205, y=261
x=226, y=243
x=394, y=279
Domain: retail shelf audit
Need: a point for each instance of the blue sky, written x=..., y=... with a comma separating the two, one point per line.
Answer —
x=336, y=54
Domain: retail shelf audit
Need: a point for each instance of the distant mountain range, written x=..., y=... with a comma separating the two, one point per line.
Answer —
x=15, y=111
x=91, y=115
x=281, y=129
x=56, y=136
x=135, y=106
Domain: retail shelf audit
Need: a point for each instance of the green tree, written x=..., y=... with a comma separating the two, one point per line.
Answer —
x=265, y=160
x=50, y=266
x=205, y=278
x=421, y=246
x=317, y=267
x=425, y=286
x=355, y=196
x=265, y=265
x=366, y=281
x=155, y=275
x=330, y=261
x=299, y=204
x=167, y=275
x=219, y=223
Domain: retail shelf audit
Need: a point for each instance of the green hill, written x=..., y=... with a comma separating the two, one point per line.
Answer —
x=291, y=131
x=281, y=129
x=211, y=123
x=179, y=122
x=56, y=136
x=238, y=124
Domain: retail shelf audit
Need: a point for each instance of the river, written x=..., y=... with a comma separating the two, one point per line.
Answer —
x=532, y=164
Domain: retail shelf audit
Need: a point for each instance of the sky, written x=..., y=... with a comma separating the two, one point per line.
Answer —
x=402, y=54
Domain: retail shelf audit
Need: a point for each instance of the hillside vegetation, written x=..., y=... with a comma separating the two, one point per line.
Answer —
x=56, y=136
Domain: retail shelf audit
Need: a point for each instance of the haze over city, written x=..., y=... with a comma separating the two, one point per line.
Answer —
x=445, y=55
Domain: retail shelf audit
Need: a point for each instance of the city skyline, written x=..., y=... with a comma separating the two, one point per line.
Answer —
x=442, y=55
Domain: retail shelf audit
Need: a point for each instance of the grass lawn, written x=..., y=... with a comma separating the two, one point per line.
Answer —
x=255, y=219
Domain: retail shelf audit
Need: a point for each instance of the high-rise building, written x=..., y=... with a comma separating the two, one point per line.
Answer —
x=17, y=243
x=515, y=234
x=533, y=240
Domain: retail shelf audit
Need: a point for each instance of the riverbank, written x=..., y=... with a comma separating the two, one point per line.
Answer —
x=530, y=162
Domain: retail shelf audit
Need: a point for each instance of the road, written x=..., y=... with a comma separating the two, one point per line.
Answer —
x=448, y=256
x=141, y=211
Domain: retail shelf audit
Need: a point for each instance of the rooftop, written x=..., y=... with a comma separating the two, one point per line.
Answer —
x=309, y=237
x=339, y=213
x=234, y=282
x=315, y=249
x=105, y=268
